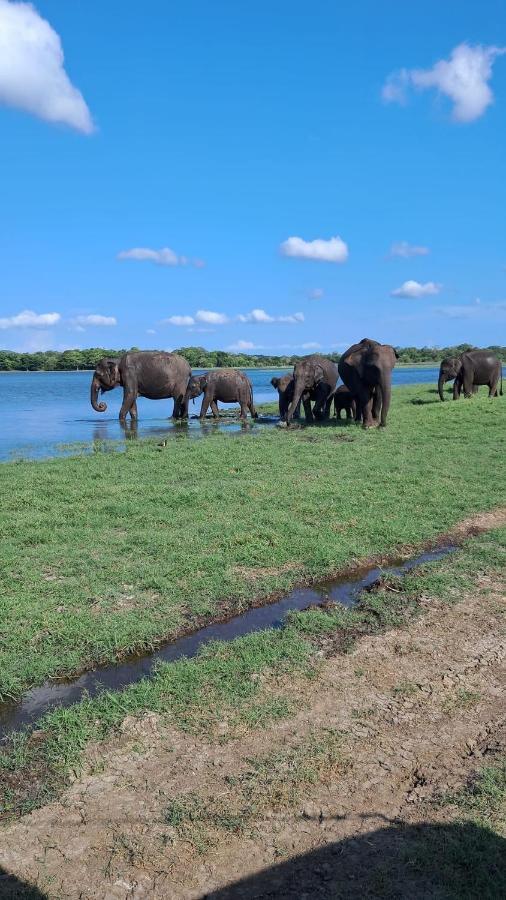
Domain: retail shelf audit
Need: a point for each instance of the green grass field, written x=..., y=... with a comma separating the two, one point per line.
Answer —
x=112, y=552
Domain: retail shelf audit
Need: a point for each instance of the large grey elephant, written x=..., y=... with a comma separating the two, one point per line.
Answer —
x=470, y=370
x=315, y=379
x=142, y=373
x=366, y=369
x=226, y=385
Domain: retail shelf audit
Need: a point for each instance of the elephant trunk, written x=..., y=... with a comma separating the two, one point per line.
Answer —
x=386, y=393
x=440, y=385
x=297, y=394
x=95, y=387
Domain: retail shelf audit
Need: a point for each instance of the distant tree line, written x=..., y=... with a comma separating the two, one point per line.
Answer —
x=199, y=358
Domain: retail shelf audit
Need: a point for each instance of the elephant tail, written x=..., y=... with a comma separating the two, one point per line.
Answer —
x=500, y=392
x=253, y=411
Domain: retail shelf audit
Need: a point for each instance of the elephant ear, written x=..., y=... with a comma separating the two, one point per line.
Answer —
x=112, y=365
x=395, y=353
x=275, y=382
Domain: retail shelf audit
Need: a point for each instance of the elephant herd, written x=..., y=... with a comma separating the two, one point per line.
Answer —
x=365, y=369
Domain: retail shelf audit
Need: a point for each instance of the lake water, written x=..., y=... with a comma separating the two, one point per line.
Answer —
x=43, y=411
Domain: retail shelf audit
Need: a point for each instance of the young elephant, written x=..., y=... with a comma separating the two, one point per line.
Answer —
x=344, y=399
x=226, y=385
x=285, y=387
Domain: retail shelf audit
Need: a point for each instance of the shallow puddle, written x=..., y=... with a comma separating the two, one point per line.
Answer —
x=345, y=591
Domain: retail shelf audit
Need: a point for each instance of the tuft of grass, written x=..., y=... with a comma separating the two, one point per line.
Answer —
x=92, y=560
x=269, y=783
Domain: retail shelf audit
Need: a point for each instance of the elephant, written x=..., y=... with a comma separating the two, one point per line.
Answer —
x=344, y=399
x=366, y=370
x=285, y=387
x=142, y=373
x=315, y=379
x=226, y=385
x=471, y=369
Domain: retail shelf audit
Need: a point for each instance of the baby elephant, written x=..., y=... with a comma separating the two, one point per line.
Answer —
x=344, y=399
x=284, y=387
x=226, y=385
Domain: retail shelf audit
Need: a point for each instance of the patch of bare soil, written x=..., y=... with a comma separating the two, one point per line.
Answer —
x=416, y=711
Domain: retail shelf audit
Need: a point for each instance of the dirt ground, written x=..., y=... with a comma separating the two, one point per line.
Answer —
x=417, y=711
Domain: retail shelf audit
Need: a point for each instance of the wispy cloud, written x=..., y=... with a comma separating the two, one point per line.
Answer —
x=242, y=345
x=311, y=345
x=464, y=79
x=406, y=250
x=93, y=320
x=333, y=250
x=316, y=293
x=211, y=318
x=260, y=316
x=163, y=257
x=32, y=76
x=413, y=289
x=30, y=319
x=476, y=310
x=180, y=321
x=150, y=331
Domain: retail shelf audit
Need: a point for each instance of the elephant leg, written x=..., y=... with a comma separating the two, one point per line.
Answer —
x=133, y=411
x=296, y=414
x=129, y=398
x=307, y=409
x=377, y=403
x=492, y=386
x=214, y=409
x=349, y=411
x=205, y=405
x=253, y=412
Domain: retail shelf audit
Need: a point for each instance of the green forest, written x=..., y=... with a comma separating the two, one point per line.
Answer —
x=199, y=358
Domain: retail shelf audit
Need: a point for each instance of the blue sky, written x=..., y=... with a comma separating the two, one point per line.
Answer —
x=219, y=131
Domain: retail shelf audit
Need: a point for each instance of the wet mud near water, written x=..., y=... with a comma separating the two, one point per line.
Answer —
x=345, y=591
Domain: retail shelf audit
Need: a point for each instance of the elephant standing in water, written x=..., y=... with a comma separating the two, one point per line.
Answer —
x=144, y=373
x=315, y=378
x=226, y=385
x=285, y=387
x=366, y=369
x=470, y=370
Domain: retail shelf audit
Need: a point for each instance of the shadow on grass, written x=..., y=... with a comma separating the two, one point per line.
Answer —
x=11, y=888
x=456, y=862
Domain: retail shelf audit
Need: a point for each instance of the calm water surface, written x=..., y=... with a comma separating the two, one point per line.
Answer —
x=44, y=411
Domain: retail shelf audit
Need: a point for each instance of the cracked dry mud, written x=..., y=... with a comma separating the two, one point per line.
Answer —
x=420, y=709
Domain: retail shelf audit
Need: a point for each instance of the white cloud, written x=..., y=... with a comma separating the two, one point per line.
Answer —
x=32, y=76
x=259, y=316
x=211, y=318
x=150, y=331
x=476, y=310
x=463, y=78
x=83, y=321
x=30, y=319
x=402, y=248
x=413, y=289
x=316, y=293
x=179, y=320
x=241, y=345
x=163, y=257
x=311, y=345
x=334, y=250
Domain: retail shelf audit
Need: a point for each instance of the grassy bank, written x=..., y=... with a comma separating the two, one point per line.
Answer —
x=235, y=682
x=109, y=553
